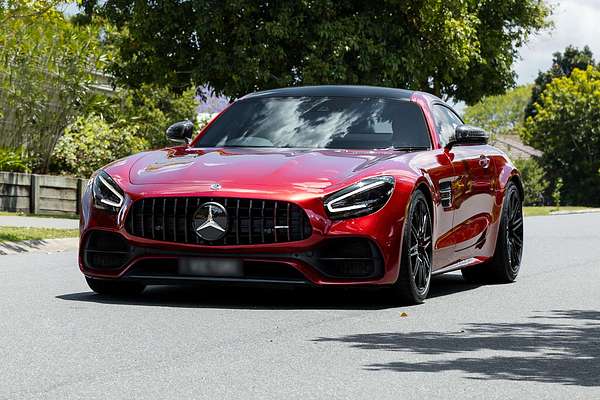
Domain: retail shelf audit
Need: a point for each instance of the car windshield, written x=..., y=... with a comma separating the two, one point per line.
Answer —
x=319, y=122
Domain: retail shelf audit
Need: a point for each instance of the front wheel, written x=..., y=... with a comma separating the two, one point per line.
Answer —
x=114, y=288
x=414, y=278
x=506, y=263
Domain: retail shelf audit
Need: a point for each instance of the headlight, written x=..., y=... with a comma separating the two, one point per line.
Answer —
x=362, y=198
x=107, y=194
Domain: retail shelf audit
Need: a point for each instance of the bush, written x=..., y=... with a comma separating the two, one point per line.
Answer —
x=12, y=160
x=534, y=181
x=151, y=108
x=133, y=120
x=91, y=142
x=566, y=126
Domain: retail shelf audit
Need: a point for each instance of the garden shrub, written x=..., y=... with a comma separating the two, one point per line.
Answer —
x=534, y=181
x=14, y=160
x=91, y=142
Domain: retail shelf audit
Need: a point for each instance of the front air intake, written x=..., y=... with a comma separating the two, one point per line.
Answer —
x=105, y=250
x=349, y=258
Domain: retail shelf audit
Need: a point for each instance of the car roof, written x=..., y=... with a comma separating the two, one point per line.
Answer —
x=335, y=90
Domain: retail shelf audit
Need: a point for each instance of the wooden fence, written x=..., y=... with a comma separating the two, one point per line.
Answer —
x=40, y=194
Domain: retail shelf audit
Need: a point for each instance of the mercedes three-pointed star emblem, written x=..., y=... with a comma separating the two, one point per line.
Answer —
x=210, y=221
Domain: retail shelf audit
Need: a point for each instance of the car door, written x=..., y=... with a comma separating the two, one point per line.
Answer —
x=471, y=189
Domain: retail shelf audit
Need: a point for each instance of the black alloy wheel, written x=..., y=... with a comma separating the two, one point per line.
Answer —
x=514, y=232
x=504, y=266
x=414, y=279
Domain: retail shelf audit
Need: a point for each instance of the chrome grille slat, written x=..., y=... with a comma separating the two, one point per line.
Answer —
x=153, y=225
x=185, y=229
x=237, y=221
x=175, y=220
x=275, y=221
x=288, y=222
x=142, y=217
x=251, y=221
x=164, y=222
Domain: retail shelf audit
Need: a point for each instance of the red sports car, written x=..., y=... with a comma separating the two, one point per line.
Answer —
x=323, y=185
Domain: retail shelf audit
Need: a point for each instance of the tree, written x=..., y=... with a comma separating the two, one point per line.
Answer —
x=456, y=48
x=567, y=126
x=562, y=65
x=46, y=67
x=500, y=114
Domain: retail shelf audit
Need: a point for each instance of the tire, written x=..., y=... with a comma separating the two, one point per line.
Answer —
x=414, y=278
x=506, y=262
x=114, y=288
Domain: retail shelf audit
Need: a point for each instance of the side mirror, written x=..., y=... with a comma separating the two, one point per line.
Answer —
x=467, y=134
x=181, y=132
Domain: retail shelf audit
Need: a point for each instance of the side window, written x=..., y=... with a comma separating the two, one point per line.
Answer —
x=445, y=123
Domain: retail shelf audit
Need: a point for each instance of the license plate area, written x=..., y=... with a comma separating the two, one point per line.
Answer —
x=213, y=267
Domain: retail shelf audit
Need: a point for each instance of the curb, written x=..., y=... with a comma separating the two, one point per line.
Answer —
x=39, y=246
x=591, y=211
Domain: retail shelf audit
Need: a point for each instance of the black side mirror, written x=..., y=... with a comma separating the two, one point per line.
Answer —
x=181, y=132
x=467, y=134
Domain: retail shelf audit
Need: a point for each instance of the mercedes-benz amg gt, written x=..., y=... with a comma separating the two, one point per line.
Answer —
x=322, y=185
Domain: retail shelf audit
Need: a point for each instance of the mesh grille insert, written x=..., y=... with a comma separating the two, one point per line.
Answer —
x=250, y=221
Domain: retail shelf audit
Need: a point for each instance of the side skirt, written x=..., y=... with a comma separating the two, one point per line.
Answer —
x=460, y=265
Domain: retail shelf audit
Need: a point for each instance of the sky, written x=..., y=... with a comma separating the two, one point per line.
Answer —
x=576, y=22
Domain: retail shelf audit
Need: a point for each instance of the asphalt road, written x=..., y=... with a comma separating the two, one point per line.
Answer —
x=536, y=338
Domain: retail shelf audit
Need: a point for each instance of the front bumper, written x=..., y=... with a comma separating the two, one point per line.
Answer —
x=361, y=251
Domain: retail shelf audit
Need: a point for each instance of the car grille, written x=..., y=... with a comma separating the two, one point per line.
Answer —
x=251, y=221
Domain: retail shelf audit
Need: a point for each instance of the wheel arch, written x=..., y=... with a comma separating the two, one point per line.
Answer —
x=426, y=190
x=517, y=180
x=424, y=185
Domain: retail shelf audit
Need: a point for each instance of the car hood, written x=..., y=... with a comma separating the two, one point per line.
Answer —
x=313, y=170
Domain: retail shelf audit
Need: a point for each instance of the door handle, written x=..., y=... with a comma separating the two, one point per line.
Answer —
x=484, y=161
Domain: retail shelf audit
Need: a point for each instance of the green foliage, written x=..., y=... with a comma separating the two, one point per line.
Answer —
x=459, y=48
x=534, y=181
x=91, y=142
x=154, y=108
x=556, y=192
x=17, y=234
x=501, y=114
x=12, y=160
x=132, y=120
x=567, y=127
x=46, y=66
x=151, y=108
x=562, y=65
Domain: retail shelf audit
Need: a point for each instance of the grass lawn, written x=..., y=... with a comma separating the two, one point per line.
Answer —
x=537, y=211
x=21, y=214
x=16, y=234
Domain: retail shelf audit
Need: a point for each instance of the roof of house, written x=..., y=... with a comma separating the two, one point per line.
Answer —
x=514, y=146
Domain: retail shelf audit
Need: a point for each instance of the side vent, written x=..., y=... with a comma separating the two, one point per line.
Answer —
x=446, y=193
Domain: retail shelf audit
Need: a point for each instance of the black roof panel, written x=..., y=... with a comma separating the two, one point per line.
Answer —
x=335, y=90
